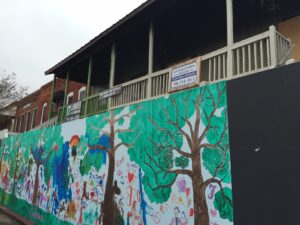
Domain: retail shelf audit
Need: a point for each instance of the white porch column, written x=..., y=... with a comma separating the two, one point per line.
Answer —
x=230, y=38
x=150, y=58
x=112, y=70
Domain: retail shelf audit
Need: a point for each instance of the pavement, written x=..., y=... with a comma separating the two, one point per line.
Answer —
x=5, y=219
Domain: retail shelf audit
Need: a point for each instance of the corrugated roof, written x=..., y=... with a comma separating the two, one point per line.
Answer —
x=101, y=36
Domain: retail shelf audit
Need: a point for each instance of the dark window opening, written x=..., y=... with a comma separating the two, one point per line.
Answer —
x=101, y=70
x=33, y=118
x=132, y=55
x=28, y=122
x=188, y=29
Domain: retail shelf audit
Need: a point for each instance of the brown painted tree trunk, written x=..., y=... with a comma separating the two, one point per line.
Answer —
x=200, y=205
x=108, y=204
x=36, y=184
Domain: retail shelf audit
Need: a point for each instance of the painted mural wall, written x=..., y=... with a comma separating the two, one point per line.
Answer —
x=164, y=161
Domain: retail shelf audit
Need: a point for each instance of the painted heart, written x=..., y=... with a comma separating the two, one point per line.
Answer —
x=213, y=212
x=191, y=212
x=187, y=191
x=130, y=177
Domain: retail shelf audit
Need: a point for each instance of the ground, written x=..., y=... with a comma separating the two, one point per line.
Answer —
x=7, y=220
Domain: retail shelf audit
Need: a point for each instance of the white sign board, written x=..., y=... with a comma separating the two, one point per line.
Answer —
x=184, y=75
x=73, y=111
x=110, y=92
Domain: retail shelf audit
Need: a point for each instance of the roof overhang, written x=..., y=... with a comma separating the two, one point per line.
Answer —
x=80, y=52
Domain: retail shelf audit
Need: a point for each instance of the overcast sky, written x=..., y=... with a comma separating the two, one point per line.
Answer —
x=37, y=34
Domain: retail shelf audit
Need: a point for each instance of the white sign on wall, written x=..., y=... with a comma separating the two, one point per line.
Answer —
x=73, y=111
x=110, y=92
x=184, y=75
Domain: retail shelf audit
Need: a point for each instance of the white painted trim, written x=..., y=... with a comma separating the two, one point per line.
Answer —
x=71, y=94
x=43, y=109
x=33, y=116
x=82, y=89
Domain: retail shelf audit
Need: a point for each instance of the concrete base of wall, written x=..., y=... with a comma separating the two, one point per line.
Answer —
x=16, y=216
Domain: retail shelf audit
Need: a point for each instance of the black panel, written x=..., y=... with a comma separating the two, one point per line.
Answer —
x=264, y=122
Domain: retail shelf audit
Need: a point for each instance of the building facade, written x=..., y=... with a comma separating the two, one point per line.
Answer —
x=32, y=111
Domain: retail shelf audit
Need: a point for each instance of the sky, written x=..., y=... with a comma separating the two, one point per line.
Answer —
x=37, y=34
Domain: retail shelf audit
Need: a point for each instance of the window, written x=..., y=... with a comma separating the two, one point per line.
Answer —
x=16, y=125
x=21, y=123
x=43, y=117
x=33, y=118
x=81, y=93
x=70, y=98
x=27, y=126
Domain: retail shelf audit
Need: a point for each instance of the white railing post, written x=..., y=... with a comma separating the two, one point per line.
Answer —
x=273, y=46
x=150, y=58
x=230, y=40
x=112, y=71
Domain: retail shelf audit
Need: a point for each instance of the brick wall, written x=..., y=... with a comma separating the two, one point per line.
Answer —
x=291, y=28
x=37, y=100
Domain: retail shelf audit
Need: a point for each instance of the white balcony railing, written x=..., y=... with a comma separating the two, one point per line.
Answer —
x=257, y=53
x=260, y=52
x=48, y=123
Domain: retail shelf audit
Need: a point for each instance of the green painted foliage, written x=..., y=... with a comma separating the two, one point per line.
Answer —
x=16, y=154
x=223, y=203
x=159, y=126
x=181, y=162
x=52, y=144
x=213, y=99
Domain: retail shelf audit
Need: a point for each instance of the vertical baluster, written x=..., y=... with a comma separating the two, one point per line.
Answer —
x=138, y=93
x=282, y=48
x=261, y=54
x=249, y=58
x=215, y=69
x=156, y=85
x=162, y=84
x=209, y=69
x=153, y=89
x=238, y=60
x=160, y=91
x=268, y=53
x=142, y=89
x=224, y=66
x=131, y=92
x=134, y=92
x=279, y=48
x=244, y=59
x=123, y=95
x=136, y=97
x=255, y=56
x=219, y=67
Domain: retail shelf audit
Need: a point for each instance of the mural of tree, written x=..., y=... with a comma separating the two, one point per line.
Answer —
x=4, y=146
x=182, y=135
x=18, y=156
x=43, y=145
x=102, y=144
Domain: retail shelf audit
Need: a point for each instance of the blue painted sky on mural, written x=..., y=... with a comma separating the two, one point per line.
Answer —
x=35, y=35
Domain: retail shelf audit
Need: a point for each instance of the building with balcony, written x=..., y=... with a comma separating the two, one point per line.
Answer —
x=229, y=39
x=32, y=111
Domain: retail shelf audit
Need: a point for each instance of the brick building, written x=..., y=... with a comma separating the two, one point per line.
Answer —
x=33, y=110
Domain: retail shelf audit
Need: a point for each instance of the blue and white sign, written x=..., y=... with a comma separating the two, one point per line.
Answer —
x=184, y=75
